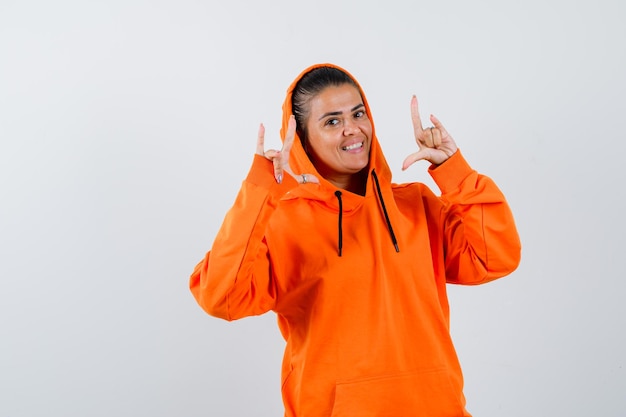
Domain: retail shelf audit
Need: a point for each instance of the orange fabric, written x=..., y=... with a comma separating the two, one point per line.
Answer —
x=367, y=333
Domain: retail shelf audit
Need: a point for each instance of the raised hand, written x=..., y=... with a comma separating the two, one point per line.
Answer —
x=280, y=159
x=435, y=143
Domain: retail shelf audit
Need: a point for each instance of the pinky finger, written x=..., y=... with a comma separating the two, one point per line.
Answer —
x=437, y=123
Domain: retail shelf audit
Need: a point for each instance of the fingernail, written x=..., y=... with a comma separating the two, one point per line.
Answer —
x=279, y=178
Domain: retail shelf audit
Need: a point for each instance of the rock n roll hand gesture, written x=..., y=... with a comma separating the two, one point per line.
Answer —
x=280, y=159
x=435, y=143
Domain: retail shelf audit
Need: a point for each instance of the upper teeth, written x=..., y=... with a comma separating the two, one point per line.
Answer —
x=354, y=146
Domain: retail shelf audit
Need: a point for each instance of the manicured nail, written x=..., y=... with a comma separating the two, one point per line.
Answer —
x=279, y=178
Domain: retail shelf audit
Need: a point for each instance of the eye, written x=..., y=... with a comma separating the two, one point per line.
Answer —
x=332, y=122
x=359, y=114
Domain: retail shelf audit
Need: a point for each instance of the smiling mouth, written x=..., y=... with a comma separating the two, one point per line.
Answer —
x=353, y=146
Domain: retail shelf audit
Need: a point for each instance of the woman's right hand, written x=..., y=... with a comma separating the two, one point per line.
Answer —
x=280, y=158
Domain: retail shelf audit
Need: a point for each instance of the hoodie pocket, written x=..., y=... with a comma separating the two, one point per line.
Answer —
x=427, y=393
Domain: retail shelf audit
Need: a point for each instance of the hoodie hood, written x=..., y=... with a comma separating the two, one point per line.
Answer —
x=301, y=164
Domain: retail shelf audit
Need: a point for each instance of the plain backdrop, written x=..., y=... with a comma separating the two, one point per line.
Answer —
x=126, y=128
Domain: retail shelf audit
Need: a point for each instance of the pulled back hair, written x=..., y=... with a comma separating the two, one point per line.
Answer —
x=310, y=85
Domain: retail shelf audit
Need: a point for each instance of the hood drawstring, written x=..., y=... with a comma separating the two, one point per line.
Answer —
x=382, y=203
x=340, y=226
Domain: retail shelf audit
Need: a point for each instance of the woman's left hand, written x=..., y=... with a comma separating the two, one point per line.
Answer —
x=435, y=143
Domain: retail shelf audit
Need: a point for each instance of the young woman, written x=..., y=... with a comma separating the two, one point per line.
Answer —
x=354, y=266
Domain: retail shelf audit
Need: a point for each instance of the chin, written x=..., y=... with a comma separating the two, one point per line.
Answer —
x=358, y=168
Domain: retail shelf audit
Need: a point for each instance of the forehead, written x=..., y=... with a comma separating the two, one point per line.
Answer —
x=335, y=99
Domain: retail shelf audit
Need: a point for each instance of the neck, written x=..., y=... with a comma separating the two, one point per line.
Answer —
x=355, y=183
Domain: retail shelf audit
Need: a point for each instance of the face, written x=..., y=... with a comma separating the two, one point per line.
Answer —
x=339, y=133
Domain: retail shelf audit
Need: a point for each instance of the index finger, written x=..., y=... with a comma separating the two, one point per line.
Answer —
x=260, y=141
x=415, y=117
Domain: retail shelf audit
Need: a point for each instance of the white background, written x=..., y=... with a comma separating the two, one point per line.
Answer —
x=126, y=128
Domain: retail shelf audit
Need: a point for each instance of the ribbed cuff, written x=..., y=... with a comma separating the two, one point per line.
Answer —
x=261, y=174
x=450, y=174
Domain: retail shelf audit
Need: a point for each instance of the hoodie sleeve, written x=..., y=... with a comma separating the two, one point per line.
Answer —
x=481, y=242
x=234, y=278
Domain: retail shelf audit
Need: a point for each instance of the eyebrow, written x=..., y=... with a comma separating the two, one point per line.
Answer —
x=337, y=113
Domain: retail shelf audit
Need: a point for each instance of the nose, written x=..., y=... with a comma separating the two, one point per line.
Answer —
x=350, y=127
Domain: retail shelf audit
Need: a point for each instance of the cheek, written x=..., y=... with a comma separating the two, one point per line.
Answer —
x=321, y=142
x=367, y=130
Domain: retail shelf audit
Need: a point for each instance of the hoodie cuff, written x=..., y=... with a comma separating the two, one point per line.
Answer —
x=450, y=174
x=261, y=174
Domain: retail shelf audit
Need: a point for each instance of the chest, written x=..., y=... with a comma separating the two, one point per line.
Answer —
x=304, y=240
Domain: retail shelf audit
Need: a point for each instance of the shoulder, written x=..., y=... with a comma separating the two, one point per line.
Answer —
x=411, y=190
x=416, y=197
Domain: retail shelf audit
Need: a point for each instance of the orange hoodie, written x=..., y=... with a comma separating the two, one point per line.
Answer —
x=359, y=282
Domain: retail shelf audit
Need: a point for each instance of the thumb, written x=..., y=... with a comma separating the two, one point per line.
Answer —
x=414, y=157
